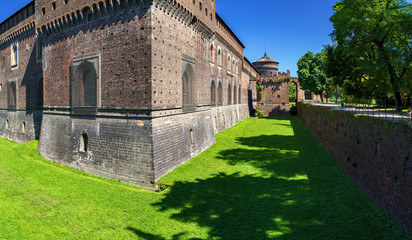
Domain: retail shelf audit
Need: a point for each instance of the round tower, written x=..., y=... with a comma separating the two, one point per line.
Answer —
x=267, y=66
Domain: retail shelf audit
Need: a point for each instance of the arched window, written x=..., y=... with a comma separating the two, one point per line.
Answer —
x=234, y=94
x=84, y=142
x=212, y=53
x=12, y=94
x=220, y=94
x=188, y=80
x=213, y=93
x=219, y=57
x=229, y=94
x=240, y=94
x=229, y=63
x=236, y=69
x=14, y=55
x=233, y=67
x=85, y=85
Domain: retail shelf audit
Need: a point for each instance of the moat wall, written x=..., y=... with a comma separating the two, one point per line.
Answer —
x=376, y=154
x=119, y=148
x=20, y=125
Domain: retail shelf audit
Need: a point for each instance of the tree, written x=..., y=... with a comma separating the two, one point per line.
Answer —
x=376, y=35
x=311, y=73
x=292, y=92
x=337, y=67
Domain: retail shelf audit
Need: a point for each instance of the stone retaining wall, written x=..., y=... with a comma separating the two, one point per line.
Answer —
x=377, y=155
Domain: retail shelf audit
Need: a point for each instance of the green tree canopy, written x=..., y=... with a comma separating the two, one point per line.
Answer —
x=375, y=36
x=311, y=73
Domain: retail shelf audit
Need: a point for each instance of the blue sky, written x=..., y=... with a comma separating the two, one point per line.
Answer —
x=289, y=28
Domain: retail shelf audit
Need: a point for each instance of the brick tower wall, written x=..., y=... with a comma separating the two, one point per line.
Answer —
x=119, y=130
x=20, y=120
x=175, y=44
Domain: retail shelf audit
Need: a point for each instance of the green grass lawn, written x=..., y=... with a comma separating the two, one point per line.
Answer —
x=263, y=179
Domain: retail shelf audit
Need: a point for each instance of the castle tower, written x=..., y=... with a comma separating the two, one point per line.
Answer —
x=267, y=66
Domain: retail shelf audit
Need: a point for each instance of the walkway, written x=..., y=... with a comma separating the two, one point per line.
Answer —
x=371, y=110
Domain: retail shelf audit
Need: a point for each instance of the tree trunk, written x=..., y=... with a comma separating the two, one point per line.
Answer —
x=336, y=94
x=398, y=101
x=393, y=77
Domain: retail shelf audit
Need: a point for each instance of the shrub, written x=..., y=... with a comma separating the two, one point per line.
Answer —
x=258, y=112
x=259, y=89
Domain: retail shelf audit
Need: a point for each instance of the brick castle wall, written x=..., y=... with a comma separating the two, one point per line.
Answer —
x=375, y=153
x=139, y=52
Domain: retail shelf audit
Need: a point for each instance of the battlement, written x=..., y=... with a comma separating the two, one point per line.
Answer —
x=227, y=34
x=17, y=17
x=284, y=74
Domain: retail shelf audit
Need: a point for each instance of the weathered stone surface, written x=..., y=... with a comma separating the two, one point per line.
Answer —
x=20, y=126
x=118, y=148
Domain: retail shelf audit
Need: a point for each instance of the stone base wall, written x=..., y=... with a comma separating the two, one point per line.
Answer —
x=225, y=117
x=133, y=150
x=377, y=155
x=177, y=139
x=20, y=126
x=275, y=109
x=119, y=148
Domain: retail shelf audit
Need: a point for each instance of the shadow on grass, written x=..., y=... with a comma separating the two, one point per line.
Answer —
x=149, y=236
x=303, y=195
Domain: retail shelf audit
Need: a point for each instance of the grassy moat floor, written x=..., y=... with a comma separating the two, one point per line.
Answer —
x=265, y=178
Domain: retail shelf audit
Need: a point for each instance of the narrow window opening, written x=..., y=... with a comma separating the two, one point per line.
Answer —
x=23, y=127
x=234, y=94
x=54, y=5
x=219, y=57
x=84, y=141
x=229, y=94
x=14, y=55
x=213, y=94
x=200, y=6
x=220, y=94
x=212, y=53
x=43, y=10
x=191, y=136
x=7, y=124
x=66, y=1
x=12, y=94
x=240, y=94
x=39, y=53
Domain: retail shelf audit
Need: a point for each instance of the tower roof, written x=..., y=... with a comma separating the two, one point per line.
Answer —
x=266, y=59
